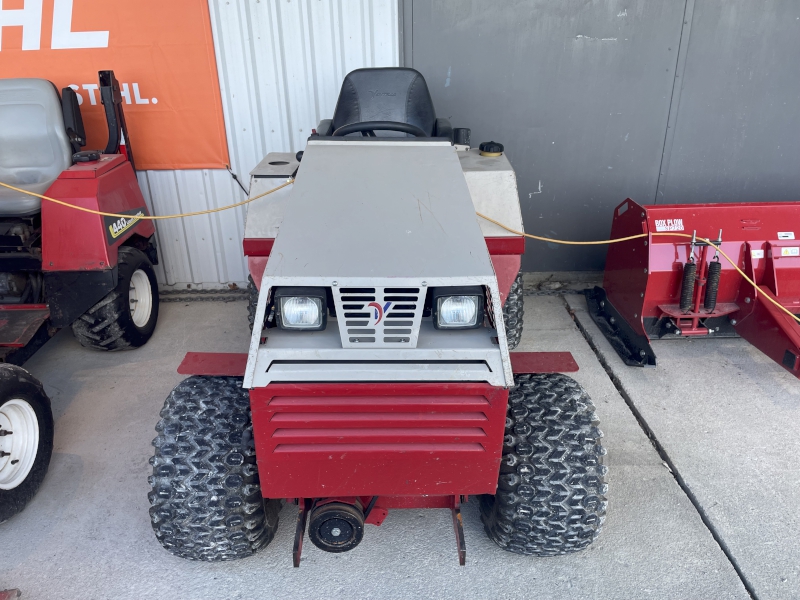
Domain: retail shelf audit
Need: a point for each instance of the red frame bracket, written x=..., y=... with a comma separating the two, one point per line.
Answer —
x=215, y=364
x=232, y=364
x=543, y=362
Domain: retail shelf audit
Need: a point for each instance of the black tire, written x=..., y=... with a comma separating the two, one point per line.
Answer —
x=109, y=324
x=551, y=490
x=17, y=384
x=513, y=311
x=206, y=500
x=252, y=301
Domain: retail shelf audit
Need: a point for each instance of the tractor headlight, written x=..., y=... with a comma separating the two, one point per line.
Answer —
x=301, y=308
x=458, y=311
x=457, y=307
x=301, y=311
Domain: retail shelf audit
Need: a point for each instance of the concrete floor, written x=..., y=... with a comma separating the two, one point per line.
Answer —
x=723, y=413
x=727, y=419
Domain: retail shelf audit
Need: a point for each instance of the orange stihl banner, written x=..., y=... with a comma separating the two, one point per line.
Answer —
x=162, y=53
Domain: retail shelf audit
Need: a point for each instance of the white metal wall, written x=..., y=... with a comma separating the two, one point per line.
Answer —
x=280, y=64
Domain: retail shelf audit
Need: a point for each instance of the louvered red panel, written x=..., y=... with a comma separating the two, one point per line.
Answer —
x=320, y=440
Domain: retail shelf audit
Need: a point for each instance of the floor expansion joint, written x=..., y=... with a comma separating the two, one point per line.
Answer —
x=662, y=453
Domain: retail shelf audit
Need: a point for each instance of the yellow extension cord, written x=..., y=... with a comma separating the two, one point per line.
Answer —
x=148, y=217
x=644, y=235
x=509, y=229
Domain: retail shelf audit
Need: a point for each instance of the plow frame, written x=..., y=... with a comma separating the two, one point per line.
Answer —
x=643, y=278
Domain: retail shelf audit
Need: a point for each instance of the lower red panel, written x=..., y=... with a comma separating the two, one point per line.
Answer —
x=542, y=362
x=382, y=439
x=217, y=364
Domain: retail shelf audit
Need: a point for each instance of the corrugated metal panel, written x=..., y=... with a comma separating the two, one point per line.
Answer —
x=280, y=65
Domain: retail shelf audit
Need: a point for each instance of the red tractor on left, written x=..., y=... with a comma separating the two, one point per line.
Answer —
x=60, y=266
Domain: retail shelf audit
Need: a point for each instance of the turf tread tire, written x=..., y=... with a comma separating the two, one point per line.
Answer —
x=206, y=499
x=513, y=312
x=252, y=301
x=108, y=325
x=16, y=382
x=551, y=490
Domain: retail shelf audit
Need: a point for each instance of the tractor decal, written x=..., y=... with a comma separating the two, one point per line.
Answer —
x=669, y=224
x=115, y=227
x=379, y=310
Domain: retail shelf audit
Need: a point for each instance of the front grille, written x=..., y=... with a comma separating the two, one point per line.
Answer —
x=358, y=425
x=379, y=317
x=343, y=439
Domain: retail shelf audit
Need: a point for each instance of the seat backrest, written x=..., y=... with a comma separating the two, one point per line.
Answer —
x=388, y=94
x=34, y=147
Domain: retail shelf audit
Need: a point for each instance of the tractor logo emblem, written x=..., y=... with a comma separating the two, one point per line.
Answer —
x=379, y=310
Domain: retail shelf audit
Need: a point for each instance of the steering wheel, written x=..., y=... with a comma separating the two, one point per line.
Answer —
x=367, y=128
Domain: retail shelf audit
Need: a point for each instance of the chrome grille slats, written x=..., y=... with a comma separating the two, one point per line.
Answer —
x=379, y=317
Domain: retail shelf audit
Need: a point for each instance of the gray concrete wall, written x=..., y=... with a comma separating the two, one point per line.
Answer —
x=666, y=101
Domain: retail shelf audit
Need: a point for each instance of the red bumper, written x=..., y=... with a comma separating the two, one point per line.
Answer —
x=382, y=439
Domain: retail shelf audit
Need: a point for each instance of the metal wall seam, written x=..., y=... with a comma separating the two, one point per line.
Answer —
x=280, y=65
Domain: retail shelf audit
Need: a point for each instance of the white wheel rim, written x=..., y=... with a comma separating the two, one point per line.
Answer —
x=140, y=298
x=19, y=442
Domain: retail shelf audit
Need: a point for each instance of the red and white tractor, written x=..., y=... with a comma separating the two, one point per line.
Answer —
x=379, y=375
x=60, y=267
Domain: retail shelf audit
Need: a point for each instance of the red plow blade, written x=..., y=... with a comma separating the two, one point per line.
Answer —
x=667, y=284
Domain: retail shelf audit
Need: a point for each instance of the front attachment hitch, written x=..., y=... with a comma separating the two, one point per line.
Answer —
x=304, y=505
x=458, y=527
x=337, y=524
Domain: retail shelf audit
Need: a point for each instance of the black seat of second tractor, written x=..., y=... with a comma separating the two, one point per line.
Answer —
x=392, y=94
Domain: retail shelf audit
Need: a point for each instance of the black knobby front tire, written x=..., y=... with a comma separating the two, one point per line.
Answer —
x=252, y=301
x=551, y=490
x=513, y=311
x=111, y=323
x=206, y=499
x=18, y=386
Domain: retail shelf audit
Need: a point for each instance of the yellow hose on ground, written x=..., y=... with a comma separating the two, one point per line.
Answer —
x=509, y=229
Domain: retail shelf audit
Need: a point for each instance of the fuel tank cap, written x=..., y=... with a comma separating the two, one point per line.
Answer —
x=491, y=148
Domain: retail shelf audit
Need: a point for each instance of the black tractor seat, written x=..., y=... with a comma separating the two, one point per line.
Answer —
x=394, y=95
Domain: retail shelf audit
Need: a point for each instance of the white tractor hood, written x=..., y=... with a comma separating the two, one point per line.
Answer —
x=376, y=208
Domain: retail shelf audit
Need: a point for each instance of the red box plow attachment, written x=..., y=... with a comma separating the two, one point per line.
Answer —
x=671, y=282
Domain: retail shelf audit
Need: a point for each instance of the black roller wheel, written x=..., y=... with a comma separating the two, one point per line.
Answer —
x=551, y=491
x=336, y=527
x=513, y=311
x=26, y=438
x=126, y=317
x=206, y=499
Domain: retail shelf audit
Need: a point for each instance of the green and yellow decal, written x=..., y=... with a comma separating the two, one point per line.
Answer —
x=116, y=227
